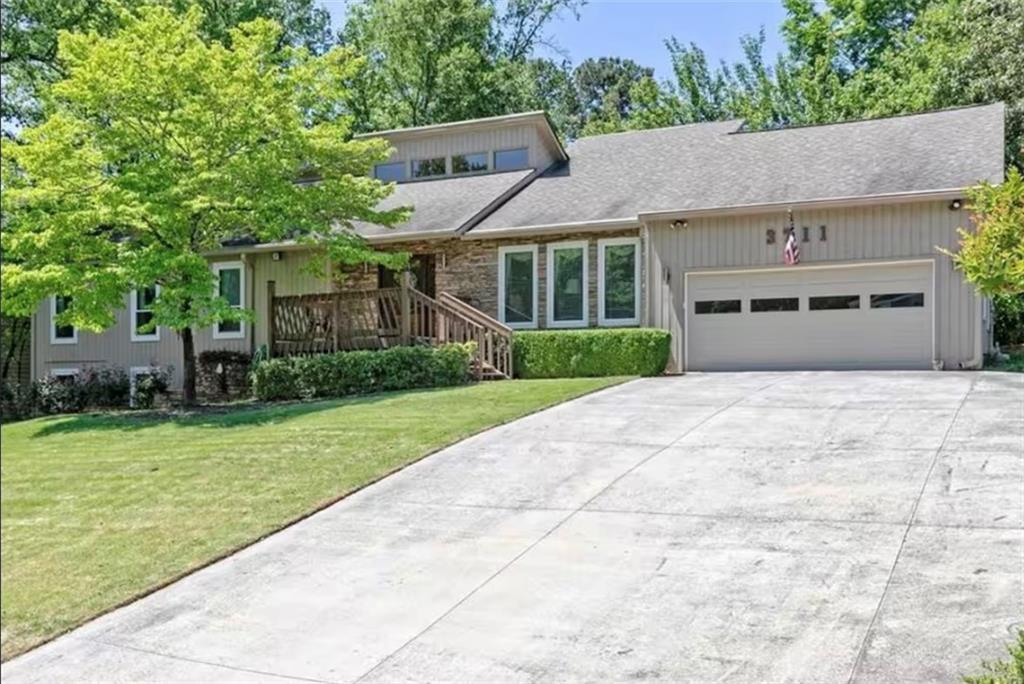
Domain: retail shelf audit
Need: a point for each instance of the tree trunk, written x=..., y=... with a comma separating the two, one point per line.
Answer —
x=188, y=349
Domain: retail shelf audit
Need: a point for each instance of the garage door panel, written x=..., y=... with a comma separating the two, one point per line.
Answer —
x=862, y=337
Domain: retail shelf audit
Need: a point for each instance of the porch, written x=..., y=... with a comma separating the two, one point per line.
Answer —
x=385, y=317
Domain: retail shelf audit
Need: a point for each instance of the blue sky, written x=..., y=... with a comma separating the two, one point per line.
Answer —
x=637, y=29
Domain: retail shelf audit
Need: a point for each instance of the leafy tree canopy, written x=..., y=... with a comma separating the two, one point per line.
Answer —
x=29, y=30
x=157, y=146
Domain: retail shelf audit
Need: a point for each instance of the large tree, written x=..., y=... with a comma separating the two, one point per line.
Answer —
x=158, y=145
x=433, y=61
x=29, y=30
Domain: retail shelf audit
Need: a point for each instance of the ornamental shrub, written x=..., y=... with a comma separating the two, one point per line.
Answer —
x=361, y=372
x=590, y=353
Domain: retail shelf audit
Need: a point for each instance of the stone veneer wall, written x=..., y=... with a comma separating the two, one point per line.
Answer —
x=468, y=269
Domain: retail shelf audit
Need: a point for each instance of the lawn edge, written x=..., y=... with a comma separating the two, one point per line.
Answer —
x=320, y=507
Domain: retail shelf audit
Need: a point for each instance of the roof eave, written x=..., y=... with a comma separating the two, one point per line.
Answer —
x=817, y=203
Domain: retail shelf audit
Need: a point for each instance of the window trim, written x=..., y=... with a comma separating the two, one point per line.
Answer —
x=602, y=318
x=487, y=163
x=134, y=309
x=551, y=248
x=219, y=266
x=66, y=372
x=53, y=326
x=494, y=159
x=517, y=249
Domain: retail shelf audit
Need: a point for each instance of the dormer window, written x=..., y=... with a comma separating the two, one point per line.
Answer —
x=469, y=163
x=426, y=168
x=511, y=160
x=390, y=173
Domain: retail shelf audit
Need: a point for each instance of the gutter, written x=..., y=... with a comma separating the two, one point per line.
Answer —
x=541, y=229
x=821, y=203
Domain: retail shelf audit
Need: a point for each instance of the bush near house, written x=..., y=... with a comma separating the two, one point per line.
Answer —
x=590, y=353
x=1009, y=319
x=93, y=388
x=361, y=372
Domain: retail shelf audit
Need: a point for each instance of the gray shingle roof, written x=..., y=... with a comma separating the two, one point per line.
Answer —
x=445, y=204
x=711, y=165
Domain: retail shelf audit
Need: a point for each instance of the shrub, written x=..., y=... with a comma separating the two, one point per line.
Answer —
x=590, y=353
x=361, y=372
x=103, y=387
x=1008, y=671
x=1009, y=319
x=148, y=386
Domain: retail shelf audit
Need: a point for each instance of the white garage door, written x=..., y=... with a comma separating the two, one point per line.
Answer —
x=877, y=316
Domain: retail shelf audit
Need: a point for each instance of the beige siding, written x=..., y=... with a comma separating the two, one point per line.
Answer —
x=878, y=233
x=541, y=155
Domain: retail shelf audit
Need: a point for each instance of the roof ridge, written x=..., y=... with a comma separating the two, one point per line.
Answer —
x=868, y=119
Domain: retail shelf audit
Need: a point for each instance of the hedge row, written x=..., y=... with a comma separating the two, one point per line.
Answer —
x=590, y=353
x=361, y=372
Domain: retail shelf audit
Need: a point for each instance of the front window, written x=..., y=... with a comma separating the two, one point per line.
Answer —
x=142, y=315
x=618, y=284
x=567, y=284
x=510, y=160
x=390, y=173
x=468, y=163
x=517, y=286
x=61, y=333
x=834, y=302
x=230, y=286
x=425, y=168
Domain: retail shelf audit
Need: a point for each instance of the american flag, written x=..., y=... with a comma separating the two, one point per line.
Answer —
x=791, y=254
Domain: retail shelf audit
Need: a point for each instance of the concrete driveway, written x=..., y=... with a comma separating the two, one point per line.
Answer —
x=759, y=527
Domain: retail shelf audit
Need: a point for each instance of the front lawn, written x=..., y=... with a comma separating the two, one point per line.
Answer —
x=96, y=509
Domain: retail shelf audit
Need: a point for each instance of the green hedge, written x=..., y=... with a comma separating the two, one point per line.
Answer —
x=590, y=353
x=361, y=372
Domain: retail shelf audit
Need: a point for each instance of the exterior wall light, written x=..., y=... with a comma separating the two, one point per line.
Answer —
x=955, y=205
x=680, y=224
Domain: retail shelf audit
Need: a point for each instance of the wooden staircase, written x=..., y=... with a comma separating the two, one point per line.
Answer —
x=377, y=319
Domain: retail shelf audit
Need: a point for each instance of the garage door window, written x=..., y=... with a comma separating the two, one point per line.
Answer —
x=517, y=286
x=834, y=302
x=775, y=304
x=567, y=285
x=717, y=306
x=618, y=271
x=899, y=300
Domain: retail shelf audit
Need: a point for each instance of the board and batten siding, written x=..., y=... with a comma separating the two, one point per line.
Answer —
x=541, y=155
x=886, y=232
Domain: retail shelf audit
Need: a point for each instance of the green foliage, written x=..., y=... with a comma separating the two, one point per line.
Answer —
x=590, y=353
x=29, y=31
x=991, y=256
x=92, y=388
x=361, y=372
x=157, y=146
x=147, y=387
x=1009, y=319
x=430, y=62
x=1003, y=671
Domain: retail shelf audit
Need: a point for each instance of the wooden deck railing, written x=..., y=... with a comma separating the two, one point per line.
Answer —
x=377, y=319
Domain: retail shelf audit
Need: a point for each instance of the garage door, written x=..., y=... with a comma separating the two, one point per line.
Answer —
x=877, y=316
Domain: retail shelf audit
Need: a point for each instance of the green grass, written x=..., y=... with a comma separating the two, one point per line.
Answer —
x=1014, y=364
x=97, y=509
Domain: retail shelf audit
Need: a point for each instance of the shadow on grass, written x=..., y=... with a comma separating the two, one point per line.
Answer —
x=214, y=416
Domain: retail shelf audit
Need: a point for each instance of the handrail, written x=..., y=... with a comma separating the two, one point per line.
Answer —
x=359, y=319
x=473, y=313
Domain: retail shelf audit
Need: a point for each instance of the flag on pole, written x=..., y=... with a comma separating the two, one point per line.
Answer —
x=791, y=254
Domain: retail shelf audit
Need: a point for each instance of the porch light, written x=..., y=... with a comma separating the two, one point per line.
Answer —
x=275, y=256
x=955, y=205
x=680, y=224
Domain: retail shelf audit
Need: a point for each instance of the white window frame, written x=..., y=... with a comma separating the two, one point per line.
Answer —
x=494, y=159
x=134, y=309
x=602, y=319
x=65, y=372
x=53, y=326
x=517, y=249
x=227, y=266
x=552, y=247
x=133, y=373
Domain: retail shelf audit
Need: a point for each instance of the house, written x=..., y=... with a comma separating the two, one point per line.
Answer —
x=683, y=228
